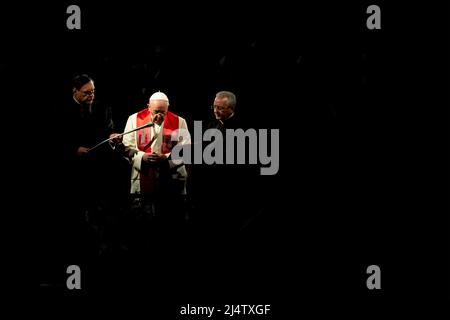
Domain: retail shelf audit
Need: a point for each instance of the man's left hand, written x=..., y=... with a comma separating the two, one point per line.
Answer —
x=156, y=157
x=116, y=137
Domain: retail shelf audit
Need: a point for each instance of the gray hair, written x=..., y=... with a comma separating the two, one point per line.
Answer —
x=231, y=98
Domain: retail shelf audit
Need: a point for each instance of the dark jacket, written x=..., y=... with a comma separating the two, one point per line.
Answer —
x=101, y=173
x=225, y=193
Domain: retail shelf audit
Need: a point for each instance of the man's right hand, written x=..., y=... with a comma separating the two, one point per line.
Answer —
x=153, y=157
x=82, y=151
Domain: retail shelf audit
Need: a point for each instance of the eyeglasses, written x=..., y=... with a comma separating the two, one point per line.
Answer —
x=88, y=92
x=219, y=108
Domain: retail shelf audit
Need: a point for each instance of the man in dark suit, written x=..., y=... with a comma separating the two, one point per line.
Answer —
x=94, y=181
x=224, y=112
x=224, y=193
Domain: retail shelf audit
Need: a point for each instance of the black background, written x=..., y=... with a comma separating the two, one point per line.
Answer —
x=363, y=119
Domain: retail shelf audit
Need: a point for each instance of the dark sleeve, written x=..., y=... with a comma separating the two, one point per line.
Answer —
x=65, y=131
x=126, y=152
x=109, y=120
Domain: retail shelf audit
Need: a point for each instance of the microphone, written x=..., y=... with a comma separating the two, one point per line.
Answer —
x=150, y=124
x=158, y=117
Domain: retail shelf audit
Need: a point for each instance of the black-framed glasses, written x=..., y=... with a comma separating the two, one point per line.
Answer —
x=219, y=108
x=88, y=92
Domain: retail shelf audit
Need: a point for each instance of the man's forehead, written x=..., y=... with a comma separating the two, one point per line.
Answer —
x=88, y=85
x=221, y=100
x=158, y=104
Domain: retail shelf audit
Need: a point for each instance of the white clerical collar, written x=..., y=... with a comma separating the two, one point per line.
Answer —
x=230, y=116
x=75, y=99
x=226, y=118
x=90, y=105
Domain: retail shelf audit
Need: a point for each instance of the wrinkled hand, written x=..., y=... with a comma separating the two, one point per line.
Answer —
x=153, y=157
x=82, y=151
x=116, y=138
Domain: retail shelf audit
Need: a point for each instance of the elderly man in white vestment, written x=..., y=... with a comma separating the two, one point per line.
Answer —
x=158, y=183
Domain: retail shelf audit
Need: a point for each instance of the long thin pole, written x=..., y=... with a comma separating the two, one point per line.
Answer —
x=151, y=124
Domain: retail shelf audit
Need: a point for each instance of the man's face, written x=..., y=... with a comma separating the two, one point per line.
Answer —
x=85, y=95
x=221, y=109
x=158, y=108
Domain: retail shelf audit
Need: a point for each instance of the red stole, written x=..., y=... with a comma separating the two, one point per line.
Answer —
x=149, y=175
